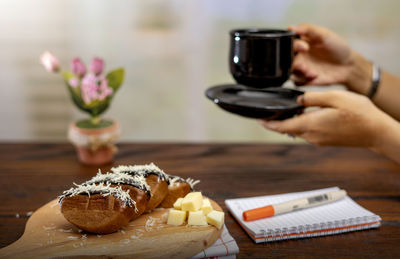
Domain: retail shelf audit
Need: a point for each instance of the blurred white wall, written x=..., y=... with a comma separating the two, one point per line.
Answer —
x=172, y=51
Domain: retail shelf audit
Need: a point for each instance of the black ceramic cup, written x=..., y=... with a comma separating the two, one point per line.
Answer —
x=261, y=58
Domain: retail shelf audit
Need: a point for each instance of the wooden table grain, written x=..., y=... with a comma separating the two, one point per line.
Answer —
x=31, y=174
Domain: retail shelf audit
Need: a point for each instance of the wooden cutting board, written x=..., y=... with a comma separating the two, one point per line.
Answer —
x=48, y=234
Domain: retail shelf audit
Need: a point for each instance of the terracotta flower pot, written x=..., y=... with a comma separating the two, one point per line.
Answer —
x=95, y=146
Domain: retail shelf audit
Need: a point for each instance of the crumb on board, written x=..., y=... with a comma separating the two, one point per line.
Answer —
x=28, y=214
x=49, y=228
x=99, y=235
x=72, y=237
x=65, y=230
x=149, y=224
x=137, y=236
x=125, y=241
x=156, y=223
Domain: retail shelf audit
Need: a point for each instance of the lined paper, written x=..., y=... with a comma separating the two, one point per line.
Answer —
x=340, y=216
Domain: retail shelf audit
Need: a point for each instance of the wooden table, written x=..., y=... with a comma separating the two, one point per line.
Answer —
x=33, y=174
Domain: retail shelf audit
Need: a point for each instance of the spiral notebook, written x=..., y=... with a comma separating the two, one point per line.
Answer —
x=340, y=216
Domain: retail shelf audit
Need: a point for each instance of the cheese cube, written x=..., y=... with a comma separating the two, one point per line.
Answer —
x=192, y=201
x=178, y=204
x=206, y=208
x=197, y=218
x=176, y=217
x=216, y=218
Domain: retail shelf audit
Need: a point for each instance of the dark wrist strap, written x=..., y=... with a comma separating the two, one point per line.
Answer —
x=376, y=79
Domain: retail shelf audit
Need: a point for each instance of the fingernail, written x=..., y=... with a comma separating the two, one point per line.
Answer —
x=301, y=68
x=261, y=121
x=304, y=46
x=301, y=46
x=300, y=99
x=272, y=125
x=311, y=75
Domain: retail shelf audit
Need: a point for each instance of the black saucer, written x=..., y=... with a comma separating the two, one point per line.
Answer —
x=274, y=103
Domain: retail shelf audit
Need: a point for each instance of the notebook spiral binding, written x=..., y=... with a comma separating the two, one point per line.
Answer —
x=321, y=229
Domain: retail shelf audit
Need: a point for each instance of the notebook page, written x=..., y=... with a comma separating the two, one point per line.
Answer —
x=343, y=212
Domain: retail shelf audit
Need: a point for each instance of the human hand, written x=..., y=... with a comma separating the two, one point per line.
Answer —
x=325, y=58
x=345, y=119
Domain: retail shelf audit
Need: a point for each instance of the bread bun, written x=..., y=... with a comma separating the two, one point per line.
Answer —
x=155, y=178
x=109, y=201
x=105, y=203
x=177, y=188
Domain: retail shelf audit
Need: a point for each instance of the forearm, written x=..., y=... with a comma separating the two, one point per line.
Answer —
x=388, y=140
x=388, y=94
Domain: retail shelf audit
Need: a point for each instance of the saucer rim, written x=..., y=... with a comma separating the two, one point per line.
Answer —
x=222, y=87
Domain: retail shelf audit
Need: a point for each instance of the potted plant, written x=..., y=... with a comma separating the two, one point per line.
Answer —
x=92, y=92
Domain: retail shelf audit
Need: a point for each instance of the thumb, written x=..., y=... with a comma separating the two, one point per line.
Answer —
x=312, y=32
x=322, y=99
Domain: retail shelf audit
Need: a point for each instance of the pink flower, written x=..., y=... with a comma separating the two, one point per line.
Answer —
x=50, y=62
x=95, y=88
x=104, y=90
x=78, y=67
x=74, y=82
x=96, y=67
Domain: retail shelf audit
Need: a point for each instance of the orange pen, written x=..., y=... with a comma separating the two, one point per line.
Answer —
x=293, y=205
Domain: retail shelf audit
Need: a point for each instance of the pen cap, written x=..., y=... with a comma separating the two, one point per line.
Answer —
x=259, y=213
x=337, y=195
